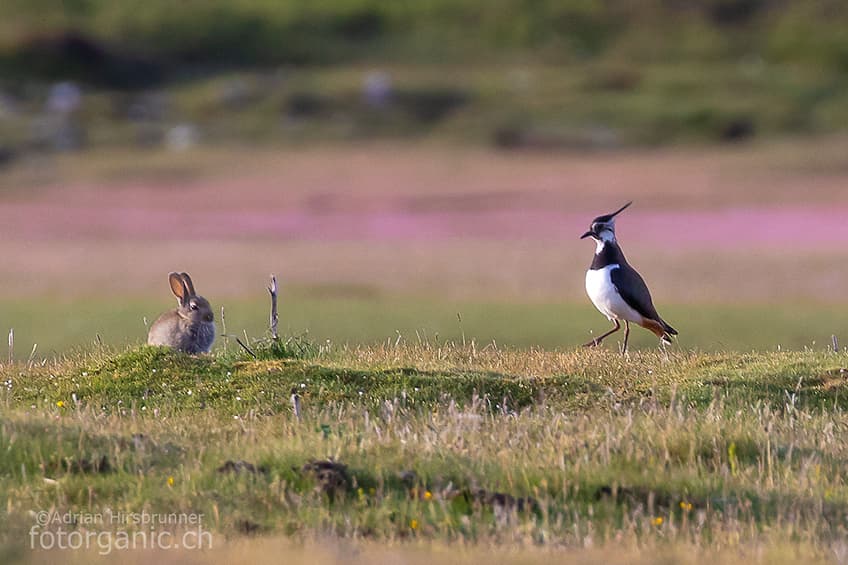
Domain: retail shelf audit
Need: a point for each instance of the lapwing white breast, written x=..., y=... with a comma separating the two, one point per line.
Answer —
x=616, y=289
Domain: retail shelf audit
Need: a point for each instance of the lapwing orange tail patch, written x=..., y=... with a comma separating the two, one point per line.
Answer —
x=656, y=327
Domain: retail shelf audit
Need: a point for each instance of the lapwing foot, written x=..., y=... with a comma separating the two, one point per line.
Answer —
x=593, y=343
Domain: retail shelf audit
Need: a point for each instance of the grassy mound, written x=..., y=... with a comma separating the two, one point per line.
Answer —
x=449, y=444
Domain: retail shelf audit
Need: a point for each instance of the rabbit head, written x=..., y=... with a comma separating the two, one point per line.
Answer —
x=191, y=306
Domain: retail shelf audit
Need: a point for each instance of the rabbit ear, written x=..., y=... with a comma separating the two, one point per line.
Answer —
x=178, y=287
x=188, y=283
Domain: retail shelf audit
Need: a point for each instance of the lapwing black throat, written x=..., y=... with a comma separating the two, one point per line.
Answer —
x=616, y=289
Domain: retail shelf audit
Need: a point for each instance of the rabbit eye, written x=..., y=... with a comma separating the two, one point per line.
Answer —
x=193, y=306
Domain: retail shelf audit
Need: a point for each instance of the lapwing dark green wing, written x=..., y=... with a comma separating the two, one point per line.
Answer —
x=616, y=289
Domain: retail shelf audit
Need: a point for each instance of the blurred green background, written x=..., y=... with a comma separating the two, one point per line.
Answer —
x=399, y=163
x=509, y=72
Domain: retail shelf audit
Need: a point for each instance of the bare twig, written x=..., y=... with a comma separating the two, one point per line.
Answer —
x=272, y=290
x=32, y=354
x=246, y=348
x=835, y=342
x=224, y=331
x=295, y=400
x=11, y=345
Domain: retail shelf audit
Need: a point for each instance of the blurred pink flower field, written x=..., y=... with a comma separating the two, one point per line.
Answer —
x=499, y=224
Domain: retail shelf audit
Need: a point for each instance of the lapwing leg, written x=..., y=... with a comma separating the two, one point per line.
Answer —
x=600, y=338
x=626, y=336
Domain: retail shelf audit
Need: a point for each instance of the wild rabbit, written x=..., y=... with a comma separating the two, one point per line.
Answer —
x=189, y=328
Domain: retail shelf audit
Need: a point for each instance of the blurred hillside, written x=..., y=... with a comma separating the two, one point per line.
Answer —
x=513, y=73
x=214, y=33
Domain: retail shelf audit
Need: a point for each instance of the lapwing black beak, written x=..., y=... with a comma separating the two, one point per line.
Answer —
x=587, y=234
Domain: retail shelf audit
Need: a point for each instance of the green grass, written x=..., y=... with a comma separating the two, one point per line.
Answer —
x=57, y=326
x=653, y=452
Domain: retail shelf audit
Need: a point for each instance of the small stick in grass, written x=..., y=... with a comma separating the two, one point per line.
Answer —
x=224, y=331
x=11, y=345
x=272, y=290
x=32, y=354
x=835, y=342
x=246, y=348
x=295, y=400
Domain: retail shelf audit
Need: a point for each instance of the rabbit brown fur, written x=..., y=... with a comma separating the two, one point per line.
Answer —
x=189, y=328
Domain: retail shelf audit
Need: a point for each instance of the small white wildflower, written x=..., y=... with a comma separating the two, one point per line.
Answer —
x=188, y=392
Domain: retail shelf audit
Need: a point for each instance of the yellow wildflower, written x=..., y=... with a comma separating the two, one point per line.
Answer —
x=61, y=404
x=658, y=521
x=413, y=524
x=428, y=495
x=685, y=506
x=170, y=481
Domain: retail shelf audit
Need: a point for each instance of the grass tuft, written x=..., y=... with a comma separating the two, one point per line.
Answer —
x=293, y=347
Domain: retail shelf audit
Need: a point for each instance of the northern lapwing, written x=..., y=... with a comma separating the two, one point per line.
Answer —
x=616, y=289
